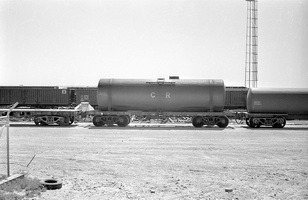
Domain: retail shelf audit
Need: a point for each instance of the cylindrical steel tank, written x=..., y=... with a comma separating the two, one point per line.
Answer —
x=171, y=95
x=288, y=101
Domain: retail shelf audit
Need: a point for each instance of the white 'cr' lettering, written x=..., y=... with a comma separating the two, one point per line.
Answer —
x=152, y=95
x=168, y=95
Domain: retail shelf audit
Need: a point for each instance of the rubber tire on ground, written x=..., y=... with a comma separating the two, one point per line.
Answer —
x=51, y=184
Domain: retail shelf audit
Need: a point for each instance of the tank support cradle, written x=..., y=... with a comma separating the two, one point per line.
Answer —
x=220, y=121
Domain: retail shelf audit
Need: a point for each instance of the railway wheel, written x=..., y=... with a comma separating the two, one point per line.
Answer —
x=280, y=122
x=36, y=121
x=247, y=122
x=123, y=120
x=64, y=121
x=254, y=123
x=197, y=121
x=72, y=119
x=223, y=122
x=39, y=122
x=97, y=121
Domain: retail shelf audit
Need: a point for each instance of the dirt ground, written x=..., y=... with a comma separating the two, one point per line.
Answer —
x=165, y=161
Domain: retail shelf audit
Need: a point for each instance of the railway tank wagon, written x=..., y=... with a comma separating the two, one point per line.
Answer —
x=272, y=107
x=201, y=99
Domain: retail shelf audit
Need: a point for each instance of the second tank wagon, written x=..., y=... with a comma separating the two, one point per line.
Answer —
x=273, y=106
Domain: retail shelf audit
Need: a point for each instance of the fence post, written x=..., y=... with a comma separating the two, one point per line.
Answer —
x=8, y=137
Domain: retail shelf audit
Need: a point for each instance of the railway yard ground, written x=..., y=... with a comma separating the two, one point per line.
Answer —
x=163, y=161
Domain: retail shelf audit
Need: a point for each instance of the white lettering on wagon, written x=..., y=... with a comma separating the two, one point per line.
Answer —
x=152, y=95
x=168, y=95
x=257, y=103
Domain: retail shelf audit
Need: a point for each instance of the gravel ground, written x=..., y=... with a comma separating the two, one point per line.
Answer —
x=164, y=161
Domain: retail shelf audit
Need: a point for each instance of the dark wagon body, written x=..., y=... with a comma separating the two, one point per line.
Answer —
x=265, y=106
x=288, y=101
x=236, y=98
x=34, y=96
x=85, y=94
x=201, y=99
x=168, y=96
x=53, y=97
x=10, y=95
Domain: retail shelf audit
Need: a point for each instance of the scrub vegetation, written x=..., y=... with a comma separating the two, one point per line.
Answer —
x=21, y=188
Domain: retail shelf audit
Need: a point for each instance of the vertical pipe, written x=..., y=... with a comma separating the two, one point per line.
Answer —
x=249, y=65
x=255, y=43
x=8, y=142
x=246, y=49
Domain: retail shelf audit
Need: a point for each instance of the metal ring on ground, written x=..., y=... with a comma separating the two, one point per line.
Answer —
x=51, y=184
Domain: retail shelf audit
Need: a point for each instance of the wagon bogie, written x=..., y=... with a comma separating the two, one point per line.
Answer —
x=51, y=119
x=275, y=121
x=109, y=120
x=220, y=121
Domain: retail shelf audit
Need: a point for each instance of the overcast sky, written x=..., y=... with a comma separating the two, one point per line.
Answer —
x=77, y=42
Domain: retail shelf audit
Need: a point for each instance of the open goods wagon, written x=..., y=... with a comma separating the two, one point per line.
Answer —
x=85, y=94
x=37, y=96
x=236, y=98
